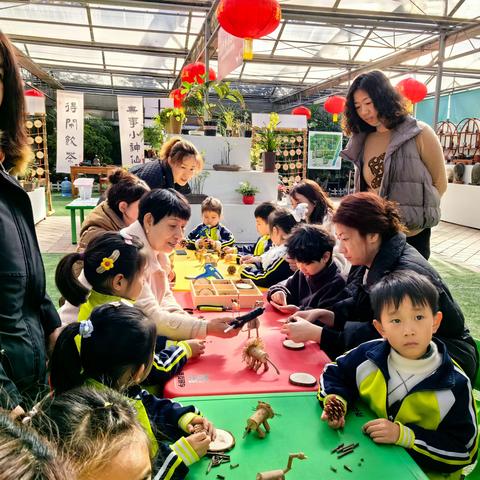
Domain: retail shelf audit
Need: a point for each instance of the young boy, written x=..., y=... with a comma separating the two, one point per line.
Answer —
x=423, y=400
x=211, y=233
x=317, y=282
x=264, y=243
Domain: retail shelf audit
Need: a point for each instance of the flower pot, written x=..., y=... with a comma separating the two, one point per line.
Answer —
x=248, y=134
x=195, y=198
x=210, y=128
x=248, y=199
x=173, y=125
x=268, y=161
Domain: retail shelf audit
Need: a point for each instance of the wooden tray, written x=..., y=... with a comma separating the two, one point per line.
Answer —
x=206, y=291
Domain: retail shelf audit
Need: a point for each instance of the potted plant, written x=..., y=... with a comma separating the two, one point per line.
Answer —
x=268, y=141
x=171, y=119
x=225, y=160
x=248, y=191
x=196, y=184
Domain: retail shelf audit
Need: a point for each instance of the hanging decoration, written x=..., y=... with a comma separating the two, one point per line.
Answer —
x=195, y=73
x=412, y=89
x=335, y=105
x=302, y=111
x=249, y=19
x=178, y=97
x=34, y=101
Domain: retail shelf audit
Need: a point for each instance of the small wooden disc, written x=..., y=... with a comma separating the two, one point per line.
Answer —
x=291, y=345
x=223, y=442
x=244, y=286
x=303, y=379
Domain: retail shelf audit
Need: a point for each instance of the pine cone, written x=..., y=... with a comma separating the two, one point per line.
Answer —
x=335, y=409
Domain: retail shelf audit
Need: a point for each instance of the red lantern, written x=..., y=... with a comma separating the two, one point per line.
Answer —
x=177, y=96
x=302, y=111
x=195, y=73
x=249, y=19
x=412, y=89
x=33, y=93
x=335, y=105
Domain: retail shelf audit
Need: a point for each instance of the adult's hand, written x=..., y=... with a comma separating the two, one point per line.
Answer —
x=217, y=326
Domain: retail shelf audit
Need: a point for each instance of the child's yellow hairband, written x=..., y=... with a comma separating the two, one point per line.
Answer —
x=108, y=262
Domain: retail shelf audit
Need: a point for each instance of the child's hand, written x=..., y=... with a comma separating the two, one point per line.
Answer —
x=335, y=424
x=246, y=259
x=316, y=314
x=382, y=430
x=199, y=442
x=300, y=330
x=279, y=298
x=217, y=326
x=197, y=347
x=206, y=425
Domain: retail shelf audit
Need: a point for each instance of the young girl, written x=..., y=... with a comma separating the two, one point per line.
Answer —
x=116, y=351
x=114, y=266
x=271, y=267
x=97, y=432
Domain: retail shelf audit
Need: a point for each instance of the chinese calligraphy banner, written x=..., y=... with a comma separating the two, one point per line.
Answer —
x=69, y=130
x=130, y=119
x=230, y=53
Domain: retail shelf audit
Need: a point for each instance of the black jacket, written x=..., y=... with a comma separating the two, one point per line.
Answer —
x=353, y=316
x=319, y=291
x=27, y=315
x=158, y=174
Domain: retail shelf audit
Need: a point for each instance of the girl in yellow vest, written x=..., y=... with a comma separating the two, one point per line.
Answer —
x=116, y=350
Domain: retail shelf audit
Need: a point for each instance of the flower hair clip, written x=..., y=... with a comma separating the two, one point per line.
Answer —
x=108, y=262
x=85, y=329
x=300, y=212
x=127, y=237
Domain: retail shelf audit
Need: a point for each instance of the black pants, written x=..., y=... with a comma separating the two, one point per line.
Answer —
x=421, y=241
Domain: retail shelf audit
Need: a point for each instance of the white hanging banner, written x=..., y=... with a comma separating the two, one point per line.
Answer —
x=69, y=130
x=130, y=119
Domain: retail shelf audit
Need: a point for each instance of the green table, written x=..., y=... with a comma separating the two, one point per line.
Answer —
x=298, y=428
x=81, y=206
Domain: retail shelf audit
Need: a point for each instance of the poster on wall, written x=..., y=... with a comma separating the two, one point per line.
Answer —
x=130, y=119
x=324, y=150
x=69, y=130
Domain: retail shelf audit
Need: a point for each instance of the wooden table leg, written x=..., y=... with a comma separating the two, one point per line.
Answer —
x=73, y=224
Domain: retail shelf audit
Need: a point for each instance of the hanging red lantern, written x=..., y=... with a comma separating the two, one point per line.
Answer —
x=335, y=105
x=249, y=19
x=302, y=111
x=412, y=89
x=195, y=73
x=33, y=93
x=34, y=101
x=177, y=96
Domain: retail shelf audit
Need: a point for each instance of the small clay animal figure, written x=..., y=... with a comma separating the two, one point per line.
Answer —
x=458, y=172
x=476, y=174
x=255, y=356
x=260, y=417
x=280, y=474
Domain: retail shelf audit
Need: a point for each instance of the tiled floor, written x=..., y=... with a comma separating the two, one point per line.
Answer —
x=453, y=243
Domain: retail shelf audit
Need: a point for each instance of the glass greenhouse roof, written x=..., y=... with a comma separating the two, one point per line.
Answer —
x=318, y=46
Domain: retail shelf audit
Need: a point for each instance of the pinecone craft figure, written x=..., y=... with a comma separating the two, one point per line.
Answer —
x=334, y=408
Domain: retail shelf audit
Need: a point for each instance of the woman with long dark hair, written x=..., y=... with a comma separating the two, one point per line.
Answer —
x=395, y=155
x=28, y=319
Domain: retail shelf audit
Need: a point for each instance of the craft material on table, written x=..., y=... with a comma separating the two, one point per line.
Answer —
x=297, y=427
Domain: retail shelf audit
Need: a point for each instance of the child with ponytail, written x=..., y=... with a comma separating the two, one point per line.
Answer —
x=114, y=348
x=271, y=267
x=114, y=266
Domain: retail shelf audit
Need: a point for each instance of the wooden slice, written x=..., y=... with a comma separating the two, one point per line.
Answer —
x=223, y=442
x=29, y=124
x=302, y=379
x=291, y=345
x=37, y=123
x=244, y=286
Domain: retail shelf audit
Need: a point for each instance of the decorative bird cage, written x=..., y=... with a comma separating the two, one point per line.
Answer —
x=447, y=134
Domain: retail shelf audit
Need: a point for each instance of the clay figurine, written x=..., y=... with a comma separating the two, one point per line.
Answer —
x=255, y=356
x=476, y=174
x=280, y=474
x=458, y=172
x=260, y=417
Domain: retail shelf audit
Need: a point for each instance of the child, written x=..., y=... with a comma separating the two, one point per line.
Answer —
x=116, y=351
x=97, y=431
x=422, y=398
x=317, y=283
x=271, y=267
x=211, y=233
x=114, y=266
x=264, y=242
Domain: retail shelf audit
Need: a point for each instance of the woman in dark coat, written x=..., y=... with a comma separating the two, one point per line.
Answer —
x=27, y=315
x=372, y=239
x=179, y=162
